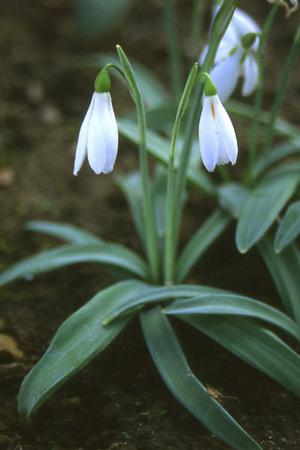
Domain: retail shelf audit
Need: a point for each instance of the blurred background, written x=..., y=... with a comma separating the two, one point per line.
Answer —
x=49, y=53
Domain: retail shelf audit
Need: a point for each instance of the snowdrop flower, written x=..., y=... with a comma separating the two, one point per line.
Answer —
x=290, y=5
x=217, y=138
x=98, y=136
x=236, y=56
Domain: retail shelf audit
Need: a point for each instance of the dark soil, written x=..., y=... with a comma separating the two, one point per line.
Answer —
x=119, y=401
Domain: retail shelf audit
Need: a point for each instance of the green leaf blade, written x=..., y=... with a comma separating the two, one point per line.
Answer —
x=284, y=268
x=172, y=365
x=66, y=232
x=212, y=228
x=289, y=228
x=77, y=341
x=232, y=304
x=261, y=210
x=111, y=254
x=255, y=345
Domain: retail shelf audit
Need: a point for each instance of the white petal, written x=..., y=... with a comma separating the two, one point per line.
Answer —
x=243, y=23
x=208, y=135
x=102, y=135
x=82, y=139
x=227, y=142
x=110, y=136
x=225, y=75
x=251, y=74
x=96, y=144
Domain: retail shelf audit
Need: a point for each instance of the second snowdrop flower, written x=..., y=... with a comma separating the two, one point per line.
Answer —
x=98, y=136
x=236, y=56
x=217, y=138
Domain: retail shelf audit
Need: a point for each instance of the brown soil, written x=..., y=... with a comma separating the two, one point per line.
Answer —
x=119, y=401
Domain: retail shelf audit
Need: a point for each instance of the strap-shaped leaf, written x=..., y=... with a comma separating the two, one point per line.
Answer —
x=262, y=208
x=152, y=89
x=159, y=149
x=289, y=169
x=156, y=295
x=237, y=305
x=255, y=345
x=77, y=341
x=271, y=156
x=232, y=198
x=130, y=185
x=285, y=270
x=289, y=228
x=281, y=126
x=212, y=228
x=68, y=233
x=173, y=367
x=111, y=254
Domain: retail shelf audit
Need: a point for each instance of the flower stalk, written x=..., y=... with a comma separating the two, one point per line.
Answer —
x=259, y=93
x=219, y=27
x=170, y=237
x=151, y=239
x=174, y=47
x=293, y=53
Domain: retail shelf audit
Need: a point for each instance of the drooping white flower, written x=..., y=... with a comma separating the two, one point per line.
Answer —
x=234, y=58
x=98, y=136
x=217, y=138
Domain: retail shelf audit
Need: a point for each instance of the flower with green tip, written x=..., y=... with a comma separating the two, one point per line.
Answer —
x=98, y=136
x=217, y=138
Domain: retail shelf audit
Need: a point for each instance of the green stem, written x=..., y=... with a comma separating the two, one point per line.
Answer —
x=171, y=200
x=173, y=47
x=282, y=88
x=259, y=92
x=151, y=239
x=197, y=24
x=219, y=27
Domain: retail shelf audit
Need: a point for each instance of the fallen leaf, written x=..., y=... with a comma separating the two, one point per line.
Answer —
x=9, y=345
x=7, y=176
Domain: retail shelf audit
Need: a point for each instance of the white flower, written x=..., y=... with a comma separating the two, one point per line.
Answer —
x=98, y=136
x=233, y=60
x=217, y=139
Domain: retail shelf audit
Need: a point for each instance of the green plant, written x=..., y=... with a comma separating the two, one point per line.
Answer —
x=154, y=287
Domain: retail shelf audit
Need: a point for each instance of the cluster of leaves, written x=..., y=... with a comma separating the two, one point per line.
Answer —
x=245, y=326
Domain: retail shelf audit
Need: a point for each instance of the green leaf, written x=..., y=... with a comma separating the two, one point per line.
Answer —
x=158, y=147
x=271, y=156
x=161, y=118
x=131, y=187
x=99, y=17
x=261, y=209
x=284, y=170
x=77, y=341
x=68, y=233
x=173, y=367
x=255, y=345
x=232, y=198
x=111, y=254
x=285, y=269
x=157, y=294
x=233, y=304
x=153, y=92
x=247, y=111
x=212, y=228
x=289, y=228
